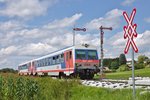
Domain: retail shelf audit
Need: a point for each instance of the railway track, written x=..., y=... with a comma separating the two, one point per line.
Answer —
x=140, y=82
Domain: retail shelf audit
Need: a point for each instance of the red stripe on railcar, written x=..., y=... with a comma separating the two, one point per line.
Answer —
x=87, y=61
x=57, y=70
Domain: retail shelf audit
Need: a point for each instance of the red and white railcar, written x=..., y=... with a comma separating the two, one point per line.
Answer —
x=81, y=60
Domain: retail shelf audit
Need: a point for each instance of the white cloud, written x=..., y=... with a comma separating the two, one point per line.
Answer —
x=111, y=19
x=26, y=43
x=68, y=21
x=10, y=25
x=117, y=44
x=8, y=51
x=25, y=9
x=35, y=49
x=127, y=2
x=147, y=20
x=21, y=44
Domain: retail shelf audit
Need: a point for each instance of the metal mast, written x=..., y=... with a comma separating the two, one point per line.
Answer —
x=101, y=45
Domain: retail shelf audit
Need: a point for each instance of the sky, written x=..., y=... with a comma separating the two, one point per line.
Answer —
x=32, y=28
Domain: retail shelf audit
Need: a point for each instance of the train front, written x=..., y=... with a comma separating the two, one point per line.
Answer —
x=86, y=62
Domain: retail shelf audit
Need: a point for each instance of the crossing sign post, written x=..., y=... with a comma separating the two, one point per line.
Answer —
x=130, y=33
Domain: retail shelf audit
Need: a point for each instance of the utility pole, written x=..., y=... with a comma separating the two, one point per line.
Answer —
x=101, y=46
x=77, y=29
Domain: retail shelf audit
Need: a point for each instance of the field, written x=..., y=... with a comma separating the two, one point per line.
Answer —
x=14, y=87
x=125, y=75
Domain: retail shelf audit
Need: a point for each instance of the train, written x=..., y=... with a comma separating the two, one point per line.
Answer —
x=74, y=61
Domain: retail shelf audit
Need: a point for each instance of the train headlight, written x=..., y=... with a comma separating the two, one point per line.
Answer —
x=77, y=65
x=95, y=65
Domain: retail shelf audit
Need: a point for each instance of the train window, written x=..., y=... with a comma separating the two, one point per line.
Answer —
x=46, y=61
x=53, y=62
x=57, y=59
x=35, y=64
x=70, y=54
x=24, y=67
x=50, y=60
x=60, y=58
x=40, y=63
x=62, y=55
x=43, y=62
x=67, y=56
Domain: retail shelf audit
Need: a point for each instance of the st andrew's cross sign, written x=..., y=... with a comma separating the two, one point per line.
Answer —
x=130, y=31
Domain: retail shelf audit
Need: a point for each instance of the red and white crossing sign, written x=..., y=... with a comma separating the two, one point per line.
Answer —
x=130, y=31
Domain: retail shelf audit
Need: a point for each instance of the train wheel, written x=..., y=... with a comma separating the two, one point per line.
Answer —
x=62, y=75
x=82, y=76
x=90, y=76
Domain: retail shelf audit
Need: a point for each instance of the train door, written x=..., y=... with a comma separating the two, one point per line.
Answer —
x=29, y=68
x=69, y=59
x=33, y=70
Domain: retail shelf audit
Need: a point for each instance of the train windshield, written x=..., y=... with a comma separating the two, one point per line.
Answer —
x=80, y=54
x=86, y=54
x=23, y=67
x=92, y=54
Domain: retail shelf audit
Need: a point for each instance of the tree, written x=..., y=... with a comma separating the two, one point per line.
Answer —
x=142, y=58
x=122, y=59
x=8, y=70
x=139, y=65
x=107, y=62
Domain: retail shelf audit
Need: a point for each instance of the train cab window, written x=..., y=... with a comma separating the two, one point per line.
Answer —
x=92, y=54
x=80, y=54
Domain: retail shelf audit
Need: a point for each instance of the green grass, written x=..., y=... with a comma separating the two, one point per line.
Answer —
x=125, y=75
x=93, y=93
x=55, y=89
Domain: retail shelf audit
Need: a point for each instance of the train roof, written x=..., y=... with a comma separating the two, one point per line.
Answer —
x=83, y=46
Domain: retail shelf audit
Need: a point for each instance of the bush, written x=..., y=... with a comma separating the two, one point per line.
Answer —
x=108, y=71
x=147, y=66
x=139, y=66
x=123, y=68
x=114, y=65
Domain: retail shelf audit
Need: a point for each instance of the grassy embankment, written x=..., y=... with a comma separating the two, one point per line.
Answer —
x=45, y=88
x=125, y=75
